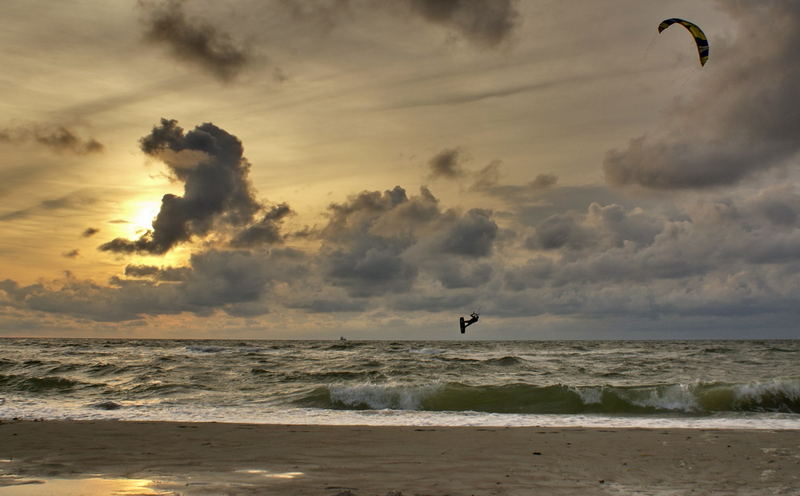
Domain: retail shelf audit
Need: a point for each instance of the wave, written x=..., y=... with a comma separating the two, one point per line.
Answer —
x=105, y=405
x=66, y=367
x=782, y=350
x=37, y=384
x=207, y=349
x=159, y=389
x=717, y=349
x=506, y=361
x=691, y=399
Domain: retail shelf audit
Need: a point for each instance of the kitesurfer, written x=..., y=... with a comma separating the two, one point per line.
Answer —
x=466, y=323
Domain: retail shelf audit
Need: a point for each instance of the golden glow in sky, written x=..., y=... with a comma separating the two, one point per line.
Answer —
x=141, y=215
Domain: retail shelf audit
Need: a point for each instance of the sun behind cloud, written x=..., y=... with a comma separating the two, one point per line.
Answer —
x=140, y=216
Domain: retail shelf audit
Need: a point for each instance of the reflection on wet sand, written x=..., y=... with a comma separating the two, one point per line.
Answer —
x=92, y=486
x=97, y=485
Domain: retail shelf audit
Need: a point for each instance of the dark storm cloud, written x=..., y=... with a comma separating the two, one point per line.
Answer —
x=446, y=164
x=225, y=277
x=194, y=41
x=744, y=117
x=373, y=266
x=484, y=22
x=57, y=138
x=89, y=232
x=266, y=231
x=217, y=189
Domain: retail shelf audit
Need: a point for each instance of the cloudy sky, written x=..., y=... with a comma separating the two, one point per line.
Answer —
x=316, y=168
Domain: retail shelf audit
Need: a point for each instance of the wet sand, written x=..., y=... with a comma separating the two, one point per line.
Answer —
x=234, y=459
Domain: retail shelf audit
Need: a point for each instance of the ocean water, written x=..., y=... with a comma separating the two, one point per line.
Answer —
x=696, y=384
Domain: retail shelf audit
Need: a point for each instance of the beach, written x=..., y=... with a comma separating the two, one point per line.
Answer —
x=220, y=458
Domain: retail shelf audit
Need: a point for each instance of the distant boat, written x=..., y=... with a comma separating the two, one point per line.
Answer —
x=342, y=338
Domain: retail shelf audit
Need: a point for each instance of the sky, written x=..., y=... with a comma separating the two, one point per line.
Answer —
x=291, y=169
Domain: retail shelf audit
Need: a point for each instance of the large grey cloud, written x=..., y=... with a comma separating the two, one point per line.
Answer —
x=210, y=163
x=471, y=235
x=362, y=253
x=720, y=257
x=744, y=117
x=378, y=243
x=194, y=41
x=234, y=281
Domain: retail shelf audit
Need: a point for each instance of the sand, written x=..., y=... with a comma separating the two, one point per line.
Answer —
x=217, y=458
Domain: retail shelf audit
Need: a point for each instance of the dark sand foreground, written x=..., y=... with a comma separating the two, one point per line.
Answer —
x=214, y=458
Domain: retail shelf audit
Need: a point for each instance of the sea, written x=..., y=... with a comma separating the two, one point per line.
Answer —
x=644, y=384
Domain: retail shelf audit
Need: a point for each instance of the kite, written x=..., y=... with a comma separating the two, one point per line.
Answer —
x=699, y=36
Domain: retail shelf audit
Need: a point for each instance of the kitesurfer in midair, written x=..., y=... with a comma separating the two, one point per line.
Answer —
x=466, y=323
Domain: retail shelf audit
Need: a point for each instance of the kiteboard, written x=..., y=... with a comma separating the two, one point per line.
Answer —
x=461, y=322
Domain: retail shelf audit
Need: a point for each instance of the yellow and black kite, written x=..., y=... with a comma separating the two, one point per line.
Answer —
x=699, y=36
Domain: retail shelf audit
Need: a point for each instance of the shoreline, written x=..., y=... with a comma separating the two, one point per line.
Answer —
x=257, y=415
x=234, y=458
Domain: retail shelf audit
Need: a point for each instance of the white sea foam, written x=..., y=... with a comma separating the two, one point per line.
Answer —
x=52, y=410
x=589, y=395
x=753, y=392
x=677, y=398
x=428, y=351
x=379, y=397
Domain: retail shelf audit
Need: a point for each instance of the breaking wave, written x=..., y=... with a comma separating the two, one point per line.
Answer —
x=693, y=399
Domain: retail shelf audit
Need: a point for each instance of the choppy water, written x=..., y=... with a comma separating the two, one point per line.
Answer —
x=752, y=384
